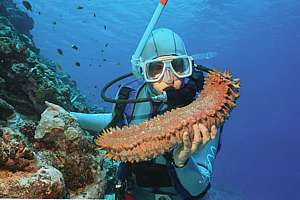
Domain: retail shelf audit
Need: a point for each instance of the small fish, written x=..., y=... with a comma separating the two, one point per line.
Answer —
x=79, y=7
x=27, y=5
x=54, y=23
x=95, y=86
x=77, y=64
x=58, y=67
x=60, y=52
x=94, y=14
x=39, y=12
x=74, y=47
x=102, y=51
x=104, y=59
x=105, y=27
x=106, y=45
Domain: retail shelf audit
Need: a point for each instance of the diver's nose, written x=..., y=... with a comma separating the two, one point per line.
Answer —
x=168, y=77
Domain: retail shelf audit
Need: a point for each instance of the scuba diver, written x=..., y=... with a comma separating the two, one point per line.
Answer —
x=166, y=77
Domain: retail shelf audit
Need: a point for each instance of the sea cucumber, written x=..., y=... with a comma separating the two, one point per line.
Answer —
x=154, y=137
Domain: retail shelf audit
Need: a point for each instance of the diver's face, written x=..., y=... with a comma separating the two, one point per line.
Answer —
x=168, y=80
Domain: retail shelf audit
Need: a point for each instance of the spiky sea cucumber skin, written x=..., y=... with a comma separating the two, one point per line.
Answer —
x=159, y=135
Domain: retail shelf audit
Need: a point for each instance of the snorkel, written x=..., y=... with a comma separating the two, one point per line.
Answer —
x=136, y=57
x=135, y=60
x=136, y=63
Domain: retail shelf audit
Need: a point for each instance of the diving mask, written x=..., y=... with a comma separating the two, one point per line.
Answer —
x=181, y=66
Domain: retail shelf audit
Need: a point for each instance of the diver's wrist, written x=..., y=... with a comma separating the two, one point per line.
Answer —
x=180, y=164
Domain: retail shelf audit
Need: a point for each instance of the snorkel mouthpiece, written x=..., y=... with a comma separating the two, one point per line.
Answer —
x=136, y=57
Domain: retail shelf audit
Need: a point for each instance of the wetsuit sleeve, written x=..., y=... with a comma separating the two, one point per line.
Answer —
x=92, y=122
x=196, y=174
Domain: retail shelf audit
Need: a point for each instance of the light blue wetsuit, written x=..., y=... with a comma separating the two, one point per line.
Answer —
x=194, y=176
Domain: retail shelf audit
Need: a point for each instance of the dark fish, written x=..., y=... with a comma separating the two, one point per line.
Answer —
x=106, y=45
x=77, y=64
x=79, y=7
x=104, y=59
x=102, y=51
x=60, y=52
x=39, y=12
x=74, y=47
x=54, y=23
x=105, y=27
x=27, y=5
x=95, y=86
x=94, y=14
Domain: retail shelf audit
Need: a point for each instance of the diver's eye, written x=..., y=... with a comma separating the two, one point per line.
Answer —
x=180, y=65
x=155, y=68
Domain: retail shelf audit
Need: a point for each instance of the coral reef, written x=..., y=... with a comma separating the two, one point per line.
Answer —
x=20, y=20
x=51, y=157
x=20, y=175
x=28, y=129
x=55, y=159
x=27, y=80
x=14, y=153
x=159, y=135
x=65, y=146
x=6, y=110
x=47, y=182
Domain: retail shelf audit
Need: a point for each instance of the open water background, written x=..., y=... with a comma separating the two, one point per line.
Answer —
x=258, y=40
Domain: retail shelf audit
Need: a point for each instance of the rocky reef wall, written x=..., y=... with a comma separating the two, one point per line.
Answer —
x=27, y=79
x=43, y=154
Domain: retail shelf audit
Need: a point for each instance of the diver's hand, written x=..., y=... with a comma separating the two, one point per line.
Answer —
x=190, y=146
x=56, y=107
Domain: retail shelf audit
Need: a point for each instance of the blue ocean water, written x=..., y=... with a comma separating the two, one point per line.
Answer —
x=259, y=41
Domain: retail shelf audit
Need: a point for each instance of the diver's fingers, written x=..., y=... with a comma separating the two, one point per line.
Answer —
x=50, y=105
x=53, y=106
x=213, y=132
x=205, y=133
x=197, y=140
x=186, y=143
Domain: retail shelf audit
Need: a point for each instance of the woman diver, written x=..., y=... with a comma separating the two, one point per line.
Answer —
x=167, y=76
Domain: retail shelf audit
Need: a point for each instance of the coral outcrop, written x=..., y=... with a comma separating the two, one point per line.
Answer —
x=54, y=159
x=14, y=153
x=160, y=134
x=20, y=174
x=47, y=182
x=62, y=144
